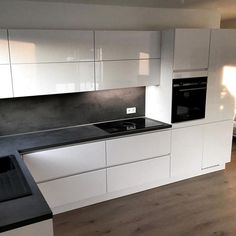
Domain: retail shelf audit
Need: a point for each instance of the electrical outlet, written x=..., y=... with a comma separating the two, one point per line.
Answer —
x=130, y=110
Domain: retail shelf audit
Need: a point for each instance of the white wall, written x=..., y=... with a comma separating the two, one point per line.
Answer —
x=23, y=14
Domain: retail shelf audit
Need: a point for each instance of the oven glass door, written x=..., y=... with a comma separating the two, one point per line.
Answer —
x=188, y=103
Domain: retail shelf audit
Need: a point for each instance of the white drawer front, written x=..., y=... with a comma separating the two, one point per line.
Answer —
x=134, y=148
x=55, y=163
x=75, y=188
x=139, y=173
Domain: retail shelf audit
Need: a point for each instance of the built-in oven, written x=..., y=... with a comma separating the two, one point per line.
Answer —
x=188, y=99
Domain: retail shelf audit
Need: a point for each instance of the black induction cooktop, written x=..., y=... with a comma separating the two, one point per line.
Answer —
x=129, y=125
x=12, y=182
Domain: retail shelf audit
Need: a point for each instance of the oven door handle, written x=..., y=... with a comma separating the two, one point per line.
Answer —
x=184, y=90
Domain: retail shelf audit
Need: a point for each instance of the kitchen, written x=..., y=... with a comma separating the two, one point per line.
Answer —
x=63, y=80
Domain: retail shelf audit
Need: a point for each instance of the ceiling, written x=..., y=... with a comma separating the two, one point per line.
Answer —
x=226, y=7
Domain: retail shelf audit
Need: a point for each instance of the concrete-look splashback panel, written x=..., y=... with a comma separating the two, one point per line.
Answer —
x=20, y=115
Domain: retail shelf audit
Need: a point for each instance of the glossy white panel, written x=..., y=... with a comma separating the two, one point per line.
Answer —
x=186, y=150
x=221, y=76
x=190, y=74
x=34, y=46
x=138, y=147
x=5, y=82
x=138, y=173
x=120, y=45
x=44, y=228
x=60, y=162
x=4, y=52
x=40, y=79
x=131, y=73
x=191, y=49
x=217, y=143
x=75, y=188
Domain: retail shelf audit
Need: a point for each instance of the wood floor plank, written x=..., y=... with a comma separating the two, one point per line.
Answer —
x=201, y=206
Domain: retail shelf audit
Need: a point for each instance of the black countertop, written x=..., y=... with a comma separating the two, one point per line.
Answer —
x=31, y=209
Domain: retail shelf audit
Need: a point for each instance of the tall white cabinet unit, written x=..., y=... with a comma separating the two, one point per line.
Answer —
x=221, y=76
x=51, y=61
x=6, y=89
x=127, y=59
x=184, y=53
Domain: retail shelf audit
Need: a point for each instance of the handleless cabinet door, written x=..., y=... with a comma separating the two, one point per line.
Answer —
x=44, y=46
x=131, y=73
x=191, y=50
x=217, y=143
x=5, y=82
x=123, y=45
x=221, y=76
x=65, y=161
x=186, y=150
x=5, y=70
x=52, y=78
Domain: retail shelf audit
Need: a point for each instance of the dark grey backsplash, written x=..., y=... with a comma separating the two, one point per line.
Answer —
x=20, y=115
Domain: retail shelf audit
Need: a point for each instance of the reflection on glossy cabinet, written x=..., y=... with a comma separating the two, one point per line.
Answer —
x=186, y=151
x=53, y=78
x=217, y=143
x=124, y=45
x=5, y=82
x=4, y=52
x=43, y=46
x=60, y=162
x=130, y=73
x=191, y=50
x=221, y=75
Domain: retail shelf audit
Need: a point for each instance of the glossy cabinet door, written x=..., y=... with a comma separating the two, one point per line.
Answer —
x=186, y=150
x=65, y=161
x=138, y=173
x=124, y=45
x=6, y=90
x=130, y=73
x=75, y=188
x=217, y=143
x=221, y=87
x=44, y=46
x=191, y=49
x=137, y=147
x=52, y=78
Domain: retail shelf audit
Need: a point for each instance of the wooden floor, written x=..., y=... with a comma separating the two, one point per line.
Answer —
x=201, y=206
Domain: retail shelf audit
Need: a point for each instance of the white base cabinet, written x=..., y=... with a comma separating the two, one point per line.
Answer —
x=200, y=147
x=138, y=173
x=67, y=190
x=43, y=228
x=186, y=150
x=217, y=143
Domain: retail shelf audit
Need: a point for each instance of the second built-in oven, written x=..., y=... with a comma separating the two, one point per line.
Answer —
x=188, y=99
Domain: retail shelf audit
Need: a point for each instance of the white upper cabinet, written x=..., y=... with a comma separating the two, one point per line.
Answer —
x=4, y=52
x=5, y=70
x=124, y=45
x=221, y=75
x=51, y=61
x=43, y=46
x=191, y=49
x=130, y=73
x=52, y=78
x=127, y=59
